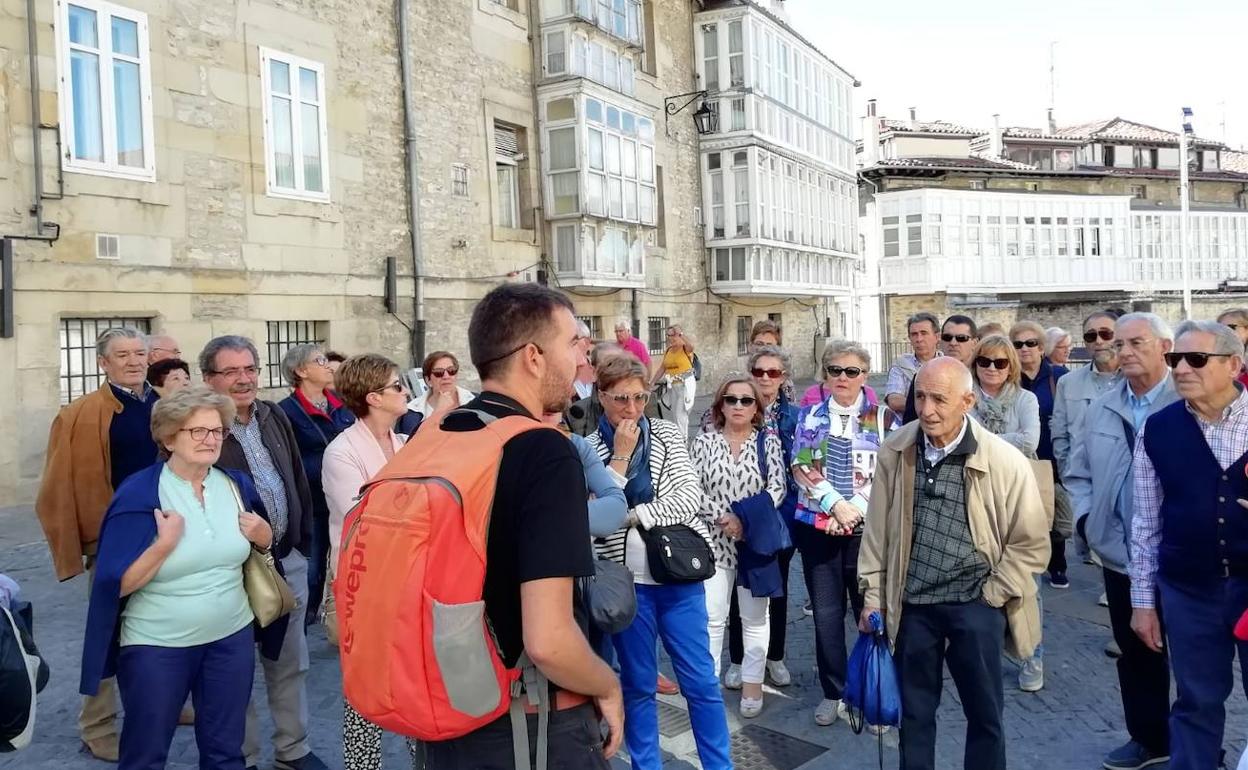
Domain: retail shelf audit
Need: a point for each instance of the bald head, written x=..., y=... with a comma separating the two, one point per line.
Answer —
x=160, y=347
x=942, y=397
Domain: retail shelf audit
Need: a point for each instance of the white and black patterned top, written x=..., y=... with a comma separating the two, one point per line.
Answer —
x=726, y=479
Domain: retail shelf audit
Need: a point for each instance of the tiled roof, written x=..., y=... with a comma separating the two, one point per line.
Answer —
x=928, y=127
x=971, y=163
x=1111, y=129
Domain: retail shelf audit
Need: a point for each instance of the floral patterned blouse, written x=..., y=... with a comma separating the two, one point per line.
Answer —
x=725, y=480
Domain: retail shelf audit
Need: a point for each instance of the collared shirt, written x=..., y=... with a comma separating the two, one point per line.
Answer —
x=583, y=389
x=263, y=471
x=902, y=373
x=934, y=454
x=332, y=402
x=1141, y=405
x=1227, y=439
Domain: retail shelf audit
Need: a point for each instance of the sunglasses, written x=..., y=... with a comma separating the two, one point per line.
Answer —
x=396, y=386
x=739, y=400
x=1091, y=334
x=1232, y=327
x=1020, y=344
x=449, y=371
x=1193, y=359
x=623, y=398
x=983, y=362
x=958, y=337
x=774, y=374
x=849, y=371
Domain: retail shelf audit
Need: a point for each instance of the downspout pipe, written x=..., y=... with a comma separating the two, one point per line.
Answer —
x=36, y=136
x=413, y=183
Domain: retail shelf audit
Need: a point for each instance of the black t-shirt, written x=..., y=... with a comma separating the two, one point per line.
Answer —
x=539, y=525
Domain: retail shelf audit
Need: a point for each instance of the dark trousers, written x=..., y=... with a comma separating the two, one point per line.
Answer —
x=1143, y=675
x=1057, y=554
x=154, y=682
x=574, y=741
x=777, y=617
x=830, y=566
x=318, y=565
x=969, y=638
x=1202, y=617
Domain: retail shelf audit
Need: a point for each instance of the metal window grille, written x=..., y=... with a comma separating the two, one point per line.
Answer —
x=594, y=322
x=656, y=333
x=283, y=335
x=80, y=374
x=744, y=324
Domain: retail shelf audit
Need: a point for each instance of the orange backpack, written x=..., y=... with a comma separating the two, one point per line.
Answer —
x=418, y=656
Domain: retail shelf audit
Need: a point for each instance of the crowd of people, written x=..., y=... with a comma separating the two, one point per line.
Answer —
x=940, y=505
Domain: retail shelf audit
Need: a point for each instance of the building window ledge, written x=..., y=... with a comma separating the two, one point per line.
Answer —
x=270, y=205
x=516, y=15
x=514, y=234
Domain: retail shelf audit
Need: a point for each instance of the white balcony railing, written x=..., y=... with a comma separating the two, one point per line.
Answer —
x=747, y=270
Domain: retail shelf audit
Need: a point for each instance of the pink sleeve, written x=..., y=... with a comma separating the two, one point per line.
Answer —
x=813, y=395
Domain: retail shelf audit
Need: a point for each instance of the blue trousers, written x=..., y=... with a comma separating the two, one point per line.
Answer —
x=677, y=614
x=1200, y=618
x=154, y=683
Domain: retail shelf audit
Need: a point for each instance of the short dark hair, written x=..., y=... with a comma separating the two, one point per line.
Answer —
x=508, y=318
x=435, y=357
x=920, y=318
x=157, y=372
x=1111, y=315
x=335, y=356
x=962, y=320
x=767, y=326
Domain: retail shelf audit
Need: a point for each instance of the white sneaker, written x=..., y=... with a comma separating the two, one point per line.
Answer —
x=778, y=673
x=1031, y=676
x=1103, y=600
x=732, y=677
x=827, y=711
x=751, y=707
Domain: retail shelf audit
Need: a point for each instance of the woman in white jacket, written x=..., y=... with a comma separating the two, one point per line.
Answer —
x=440, y=370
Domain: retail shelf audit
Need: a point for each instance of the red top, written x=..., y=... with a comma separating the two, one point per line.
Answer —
x=311, y=408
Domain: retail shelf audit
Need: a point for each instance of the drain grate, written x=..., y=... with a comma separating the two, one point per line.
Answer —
x=757, y=748
x=673, y=720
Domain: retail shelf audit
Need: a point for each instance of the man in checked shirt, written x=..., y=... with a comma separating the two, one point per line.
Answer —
x=1189, y=535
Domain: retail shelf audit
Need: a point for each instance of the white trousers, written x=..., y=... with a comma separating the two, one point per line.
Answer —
x=755, y=631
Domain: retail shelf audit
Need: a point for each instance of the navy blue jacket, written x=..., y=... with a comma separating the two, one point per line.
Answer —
x=313, y=433
x=786, y=424
x=1044, y=386
x=128, y=529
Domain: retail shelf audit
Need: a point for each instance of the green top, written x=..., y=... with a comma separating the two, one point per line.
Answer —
x=197, y=595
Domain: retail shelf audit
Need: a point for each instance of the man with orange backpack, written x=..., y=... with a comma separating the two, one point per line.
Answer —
x=460, y=621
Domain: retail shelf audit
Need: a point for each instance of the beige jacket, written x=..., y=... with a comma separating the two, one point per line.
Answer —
x=1008, y=524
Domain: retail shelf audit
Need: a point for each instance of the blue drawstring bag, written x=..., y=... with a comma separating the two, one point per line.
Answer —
x=872, y=694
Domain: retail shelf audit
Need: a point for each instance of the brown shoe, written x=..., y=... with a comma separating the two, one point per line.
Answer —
x=667, y=686
x=187, y=717
x=106, y=748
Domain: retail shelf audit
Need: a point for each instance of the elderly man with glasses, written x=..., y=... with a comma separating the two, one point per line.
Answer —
x=1189, y=536
x=262, y=443
x=1098, y=478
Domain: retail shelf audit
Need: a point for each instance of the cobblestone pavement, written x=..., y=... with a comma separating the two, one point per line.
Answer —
x=1066, y=726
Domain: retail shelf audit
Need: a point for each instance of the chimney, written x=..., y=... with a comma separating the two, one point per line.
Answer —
x=914, y=119
x=1052, y=123
x=996, y=140
x=870, y=136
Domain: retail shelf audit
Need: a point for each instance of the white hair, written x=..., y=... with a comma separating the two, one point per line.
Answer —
x=1053, y=337
x=582, y=329
x=1160, y=329
x=1225, y=340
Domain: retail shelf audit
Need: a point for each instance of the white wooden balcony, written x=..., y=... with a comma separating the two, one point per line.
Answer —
x=755, y=270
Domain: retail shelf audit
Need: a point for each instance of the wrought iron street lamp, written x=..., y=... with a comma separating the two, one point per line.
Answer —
x=705, y=120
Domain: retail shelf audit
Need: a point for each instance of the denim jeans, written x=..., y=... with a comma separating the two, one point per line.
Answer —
x=677, y=614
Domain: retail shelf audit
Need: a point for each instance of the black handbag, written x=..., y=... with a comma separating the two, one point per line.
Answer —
x=610, y=596
x=677, y=554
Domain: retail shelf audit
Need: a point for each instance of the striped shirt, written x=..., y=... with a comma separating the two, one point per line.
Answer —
x=1227, y=439
x=264, y=472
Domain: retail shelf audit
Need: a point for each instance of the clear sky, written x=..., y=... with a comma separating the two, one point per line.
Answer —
x=963, y=60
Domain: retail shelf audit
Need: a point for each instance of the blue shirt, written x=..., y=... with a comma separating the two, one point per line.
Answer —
x=268, y=480
x=1140, y=406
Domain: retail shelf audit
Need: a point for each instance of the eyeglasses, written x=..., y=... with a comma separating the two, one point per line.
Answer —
x=178, y=353
x=623, y=398
x=321, y=361
x=1233, y=327
x=739, y=400
x=983, y=362
x=1105, y=334
x=1193, y=359
x=849, y=371
x=396, y=386
x=959, y=337
x=1031, y=343
x=234, y=372
x=449, y=371
x=774, y=374
x=199, y=434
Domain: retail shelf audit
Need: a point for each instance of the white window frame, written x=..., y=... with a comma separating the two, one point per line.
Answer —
x=104, y=36
x=298, y=192
x=507, y=216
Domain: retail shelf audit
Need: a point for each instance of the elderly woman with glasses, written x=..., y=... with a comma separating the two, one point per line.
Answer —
x=735, y=461
x=833, y=462
x=317, y=415
x=168, y=613
x=662, y=489
x=374, y=392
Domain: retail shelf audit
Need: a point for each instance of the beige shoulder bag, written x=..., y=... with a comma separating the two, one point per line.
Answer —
x=268, y=593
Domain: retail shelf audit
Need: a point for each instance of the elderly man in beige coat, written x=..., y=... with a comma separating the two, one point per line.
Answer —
x=955, y=536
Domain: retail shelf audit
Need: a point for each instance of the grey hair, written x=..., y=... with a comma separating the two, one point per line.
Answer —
x=1160, y=329
x=582, y=329
x=769, y=351
x=1052, y=336
x=923, y=317
x=624, y=323
x=172, y=411
x=296, y=356
x=208, y=356
x=1225, y=340
x=116, y=333
x=838, y=348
